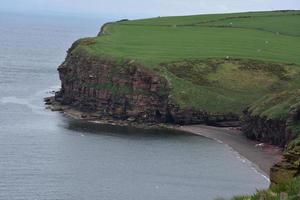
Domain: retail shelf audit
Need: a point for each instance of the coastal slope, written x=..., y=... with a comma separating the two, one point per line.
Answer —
x=194, y=69
x=190, y=69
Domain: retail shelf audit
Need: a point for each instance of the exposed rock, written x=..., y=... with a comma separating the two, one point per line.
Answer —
x=277, y=132
x=123, y=89
x=119, y=89
x=265, y=130
x=56, y=109
x=47, y=101
x=177, y=115
x=289, y=167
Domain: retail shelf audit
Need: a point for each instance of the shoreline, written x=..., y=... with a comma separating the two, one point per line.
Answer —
x=261, y=156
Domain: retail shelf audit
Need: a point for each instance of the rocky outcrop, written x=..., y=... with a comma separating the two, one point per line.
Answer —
x=289, y=167
x=121, y=89
x=181, y=116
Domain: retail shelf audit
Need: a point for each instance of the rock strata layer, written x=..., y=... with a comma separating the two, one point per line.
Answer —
x=123, y=89
x=118, y=89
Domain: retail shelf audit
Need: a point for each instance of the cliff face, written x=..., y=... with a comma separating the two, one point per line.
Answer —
x=283, y=133
x=121, y=89
x=272, y=131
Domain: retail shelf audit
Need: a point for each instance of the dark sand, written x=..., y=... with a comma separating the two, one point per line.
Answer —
x=263, y=157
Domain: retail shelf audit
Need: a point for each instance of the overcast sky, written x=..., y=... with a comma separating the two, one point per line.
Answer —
x=144, y=8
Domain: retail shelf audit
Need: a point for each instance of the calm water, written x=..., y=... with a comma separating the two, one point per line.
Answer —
x=43, y=155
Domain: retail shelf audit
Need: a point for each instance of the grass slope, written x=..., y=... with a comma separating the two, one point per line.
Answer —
x=277, y=105
x=290, y=188
x=219, y=63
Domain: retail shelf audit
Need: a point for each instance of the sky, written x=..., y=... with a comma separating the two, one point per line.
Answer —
x=144, y=8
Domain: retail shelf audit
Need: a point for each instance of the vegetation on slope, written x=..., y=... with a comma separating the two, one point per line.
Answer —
x=218, y=63
x=277, y=105
x=290, y=188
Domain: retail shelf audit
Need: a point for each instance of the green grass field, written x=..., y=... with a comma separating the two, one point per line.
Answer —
x=219, y=63
x=291, y=188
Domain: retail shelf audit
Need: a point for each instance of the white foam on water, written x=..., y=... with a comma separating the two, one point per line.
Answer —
x=219, y=141
x=244, y=160
x=45, y=92
x=29, y=101
x=250, y=164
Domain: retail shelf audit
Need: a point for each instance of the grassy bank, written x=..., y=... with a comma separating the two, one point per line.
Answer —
x=277, y=105
x=290, y=189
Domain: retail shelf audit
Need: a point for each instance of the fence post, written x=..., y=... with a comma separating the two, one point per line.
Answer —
x=283, y=196
x=262, y=197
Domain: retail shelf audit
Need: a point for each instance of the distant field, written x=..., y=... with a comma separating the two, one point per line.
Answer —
x=158, y=44
x=146, y=40
x=205, y=57
x=280, y=25
x=196, y=19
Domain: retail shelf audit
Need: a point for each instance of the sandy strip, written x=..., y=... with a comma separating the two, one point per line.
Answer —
x=263, y=157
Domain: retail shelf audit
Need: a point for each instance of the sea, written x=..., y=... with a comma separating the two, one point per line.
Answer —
x=47, y=156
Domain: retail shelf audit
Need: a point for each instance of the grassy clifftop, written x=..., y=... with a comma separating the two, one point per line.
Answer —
x=268, y=36
x=218, y=63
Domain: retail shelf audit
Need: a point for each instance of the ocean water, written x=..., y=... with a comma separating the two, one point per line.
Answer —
x=44, y=155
